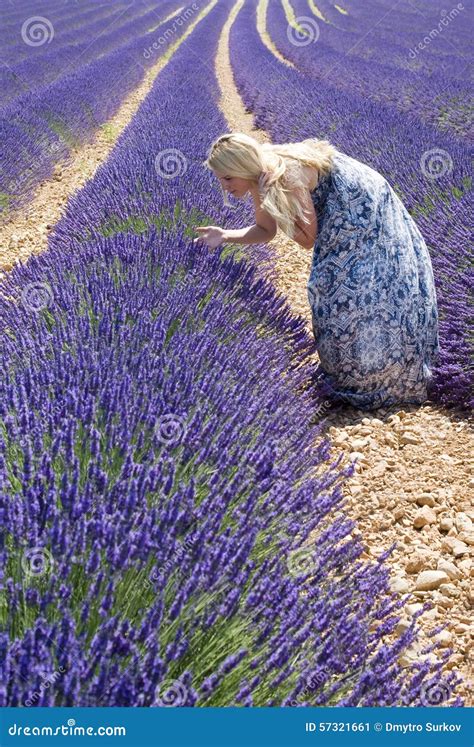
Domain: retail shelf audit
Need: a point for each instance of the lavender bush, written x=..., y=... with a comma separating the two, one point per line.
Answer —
x=377, y=50
x=42, y=126
x=75, y=43
x=158, y=503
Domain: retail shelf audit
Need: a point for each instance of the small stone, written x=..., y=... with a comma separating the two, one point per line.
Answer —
x=445, y=602
x=358, y=444
x=424, y=516
x=467, y=537
x=379, y=468
x=459, y=548
x=449, y=568
x=444, y=638
x=455, y=661
x=445, y=524
x=399, y=585
x=376, y=422
x=417, y=562
x=429, y=580
x=461, y=628
x=402, y=626
x=412, y=609
x=463, y=522
x=390, y=439
x=425, y=499
x=466, y=567
x=408, y=438
x=449, y=590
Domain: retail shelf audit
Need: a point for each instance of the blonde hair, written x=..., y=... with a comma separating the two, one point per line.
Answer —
x=240, y=155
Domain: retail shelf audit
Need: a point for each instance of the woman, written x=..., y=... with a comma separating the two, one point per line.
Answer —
x=371, y=288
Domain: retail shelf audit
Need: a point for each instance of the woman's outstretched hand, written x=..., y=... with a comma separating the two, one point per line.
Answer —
x=213, y=236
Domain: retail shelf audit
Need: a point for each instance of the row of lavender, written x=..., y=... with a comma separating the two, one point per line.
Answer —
x=40, y=127
x=56, y=52
x=293, y=105
x=66, y=21
x=157, y=467
x=13, y=14
x=412, y=57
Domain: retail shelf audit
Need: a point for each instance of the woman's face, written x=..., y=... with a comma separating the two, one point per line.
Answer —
x=235, y=185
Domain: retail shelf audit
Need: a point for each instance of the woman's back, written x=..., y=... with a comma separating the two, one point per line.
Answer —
x=371, y=289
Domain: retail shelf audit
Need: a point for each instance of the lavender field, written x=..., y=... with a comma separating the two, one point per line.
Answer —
x=174, y=530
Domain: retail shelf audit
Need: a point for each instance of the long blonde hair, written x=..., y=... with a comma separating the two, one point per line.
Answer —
x=238, y=154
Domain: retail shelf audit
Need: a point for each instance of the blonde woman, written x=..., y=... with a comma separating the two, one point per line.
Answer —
x=371, y=288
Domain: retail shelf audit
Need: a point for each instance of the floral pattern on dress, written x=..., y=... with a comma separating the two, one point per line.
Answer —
x=371, y=291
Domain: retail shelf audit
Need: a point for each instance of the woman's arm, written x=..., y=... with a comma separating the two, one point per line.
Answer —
x=214, y=236
x=263, y=230
x=305, y=234
x=255, y=234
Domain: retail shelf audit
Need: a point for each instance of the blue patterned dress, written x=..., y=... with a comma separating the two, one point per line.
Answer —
x=371, y=291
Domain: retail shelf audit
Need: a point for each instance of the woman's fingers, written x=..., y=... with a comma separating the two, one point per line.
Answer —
x=211, y=235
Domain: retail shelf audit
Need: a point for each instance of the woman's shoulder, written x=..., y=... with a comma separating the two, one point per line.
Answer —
x=300, y=176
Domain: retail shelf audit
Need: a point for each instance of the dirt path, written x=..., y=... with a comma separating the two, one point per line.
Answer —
x=26, y=231
x=414, y=480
